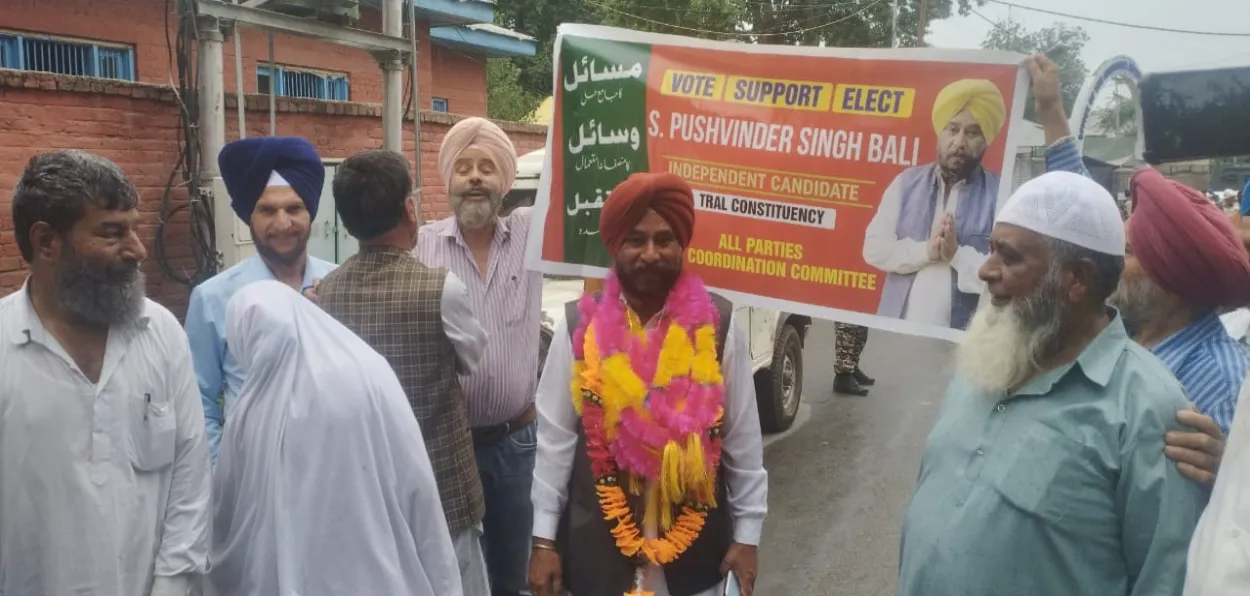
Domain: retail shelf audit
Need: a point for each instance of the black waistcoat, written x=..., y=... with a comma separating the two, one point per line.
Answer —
x=592, y=564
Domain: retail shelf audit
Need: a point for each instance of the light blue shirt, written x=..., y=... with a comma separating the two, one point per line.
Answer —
x=1059, y=488
x=1210, y=364
x=220, y=377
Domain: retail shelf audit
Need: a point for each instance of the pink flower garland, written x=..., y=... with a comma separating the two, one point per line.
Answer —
x=677, y=411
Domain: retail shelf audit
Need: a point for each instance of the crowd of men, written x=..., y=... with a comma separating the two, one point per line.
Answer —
x=378, y=427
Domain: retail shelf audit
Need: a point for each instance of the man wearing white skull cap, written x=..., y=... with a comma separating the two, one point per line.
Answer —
x=1045, y=471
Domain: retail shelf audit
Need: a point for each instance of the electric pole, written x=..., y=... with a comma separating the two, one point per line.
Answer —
x=921, y=23
x=894, y=23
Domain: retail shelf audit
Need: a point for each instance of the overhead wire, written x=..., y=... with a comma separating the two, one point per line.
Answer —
x=736, y=33
x=1120, y=23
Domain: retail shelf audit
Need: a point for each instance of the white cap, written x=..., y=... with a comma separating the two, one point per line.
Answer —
x=276, y=179
x=1067, y=207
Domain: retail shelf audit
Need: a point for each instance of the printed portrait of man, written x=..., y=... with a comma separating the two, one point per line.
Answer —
x=931, y=232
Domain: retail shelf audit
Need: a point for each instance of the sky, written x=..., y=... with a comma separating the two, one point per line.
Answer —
x=1153, y=50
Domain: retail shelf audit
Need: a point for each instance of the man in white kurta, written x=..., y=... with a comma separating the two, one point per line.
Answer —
x=1219, y=552
x=104, y=473
x=323, y=486
x=743, y=446
x=646, y=226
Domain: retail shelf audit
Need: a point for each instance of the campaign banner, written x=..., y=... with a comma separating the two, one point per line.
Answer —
x=857, y=185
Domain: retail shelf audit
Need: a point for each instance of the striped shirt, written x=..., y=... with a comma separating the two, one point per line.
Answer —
x=1210, y=365
x=507, y=300
x=1064, y=156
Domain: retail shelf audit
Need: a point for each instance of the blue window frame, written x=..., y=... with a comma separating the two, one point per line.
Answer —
x=44, y=53
x=298, y=82
x=438, y=104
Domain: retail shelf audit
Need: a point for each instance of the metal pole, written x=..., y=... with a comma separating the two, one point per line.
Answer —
x=273, y=90
x=240, y=104
x=921, y=23
x=393, y=80
x=416, y=107
x=211, y=97
x=894, y=23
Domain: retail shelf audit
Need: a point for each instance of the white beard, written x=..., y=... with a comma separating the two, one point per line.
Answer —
x=1003, y=345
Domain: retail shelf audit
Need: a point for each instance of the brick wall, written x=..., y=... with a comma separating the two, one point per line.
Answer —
x=458, y=77
x=135, y=125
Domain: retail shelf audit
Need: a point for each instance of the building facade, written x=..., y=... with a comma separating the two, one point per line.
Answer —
x=100, y=75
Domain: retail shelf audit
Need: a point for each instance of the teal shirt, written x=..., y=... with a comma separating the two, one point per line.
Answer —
x=1060, y=488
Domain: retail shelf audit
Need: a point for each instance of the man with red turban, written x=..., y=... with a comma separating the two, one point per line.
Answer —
x=661, y=406
x=1185, y=263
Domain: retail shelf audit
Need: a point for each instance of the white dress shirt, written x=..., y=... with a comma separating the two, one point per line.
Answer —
x=884, y=250
x=104, y=487
x=461, y=326
x=1219, y=552
x=742, y=447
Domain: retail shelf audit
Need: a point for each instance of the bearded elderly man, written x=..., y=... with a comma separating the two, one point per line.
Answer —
x=487, y=252
x=650, y=475
x=1185, y=263
x=1045, y=471
x=275, y=186
x=104, y=473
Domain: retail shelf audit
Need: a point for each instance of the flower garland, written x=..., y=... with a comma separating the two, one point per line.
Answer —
x=667, y=431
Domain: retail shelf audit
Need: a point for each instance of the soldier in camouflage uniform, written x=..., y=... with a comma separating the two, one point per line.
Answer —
x=848, y=378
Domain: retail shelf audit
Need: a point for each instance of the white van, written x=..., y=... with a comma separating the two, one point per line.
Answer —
x=776, y=337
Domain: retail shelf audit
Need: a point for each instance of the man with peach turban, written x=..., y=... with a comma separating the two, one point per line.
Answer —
x=599, y=438
x=931, y=231
x=486, y=250
x=1185, y=263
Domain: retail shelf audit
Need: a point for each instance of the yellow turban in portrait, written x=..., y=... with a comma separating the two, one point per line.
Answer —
x=983, y=100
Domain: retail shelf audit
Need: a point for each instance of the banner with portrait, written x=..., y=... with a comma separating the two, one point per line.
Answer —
x=857, y=185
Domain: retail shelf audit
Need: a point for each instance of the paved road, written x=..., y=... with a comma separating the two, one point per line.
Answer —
x=838, y=484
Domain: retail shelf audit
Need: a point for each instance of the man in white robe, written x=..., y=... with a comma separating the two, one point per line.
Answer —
x=104, y=472
x=323, y=486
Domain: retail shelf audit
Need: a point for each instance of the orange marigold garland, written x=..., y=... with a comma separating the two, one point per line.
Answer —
x=652, y=408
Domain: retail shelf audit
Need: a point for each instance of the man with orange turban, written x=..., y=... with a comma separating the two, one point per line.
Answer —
x=679, y=429
x=1185, y=264
x=486, y=250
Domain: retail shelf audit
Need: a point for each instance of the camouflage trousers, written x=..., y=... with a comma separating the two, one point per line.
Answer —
x=849, y=345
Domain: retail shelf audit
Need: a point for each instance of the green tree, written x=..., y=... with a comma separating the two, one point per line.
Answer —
x=505, y=99
x=1118, y=117
x=845, y=23
x=1062, y=43
x=539, y=19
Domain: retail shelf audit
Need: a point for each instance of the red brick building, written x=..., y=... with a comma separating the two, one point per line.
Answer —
x=96, y=75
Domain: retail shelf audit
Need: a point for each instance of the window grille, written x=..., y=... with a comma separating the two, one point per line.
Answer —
x=43, y=53
x=297, y=82
x=439, y=104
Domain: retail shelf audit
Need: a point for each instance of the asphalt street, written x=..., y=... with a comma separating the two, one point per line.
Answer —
x=840, y=480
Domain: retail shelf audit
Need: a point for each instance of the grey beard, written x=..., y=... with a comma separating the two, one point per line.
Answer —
x=100, y=294
x=475, y=215
x=1137, y=302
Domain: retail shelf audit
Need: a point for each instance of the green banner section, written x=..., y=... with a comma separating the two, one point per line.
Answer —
x=603, y=89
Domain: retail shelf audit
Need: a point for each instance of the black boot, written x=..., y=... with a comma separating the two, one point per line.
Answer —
x=846, y=384
x=862, y=378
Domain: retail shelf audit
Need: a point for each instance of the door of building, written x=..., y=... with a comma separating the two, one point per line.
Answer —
x=329, y=240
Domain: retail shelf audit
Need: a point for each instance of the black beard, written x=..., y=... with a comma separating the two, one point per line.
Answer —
x=650, y=284
x=270, y=255
x=99, y=294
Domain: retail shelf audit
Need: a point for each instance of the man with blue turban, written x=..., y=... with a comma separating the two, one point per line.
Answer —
x=275, y=185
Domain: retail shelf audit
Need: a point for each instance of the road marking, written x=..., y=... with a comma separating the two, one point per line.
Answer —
x=800, y=418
